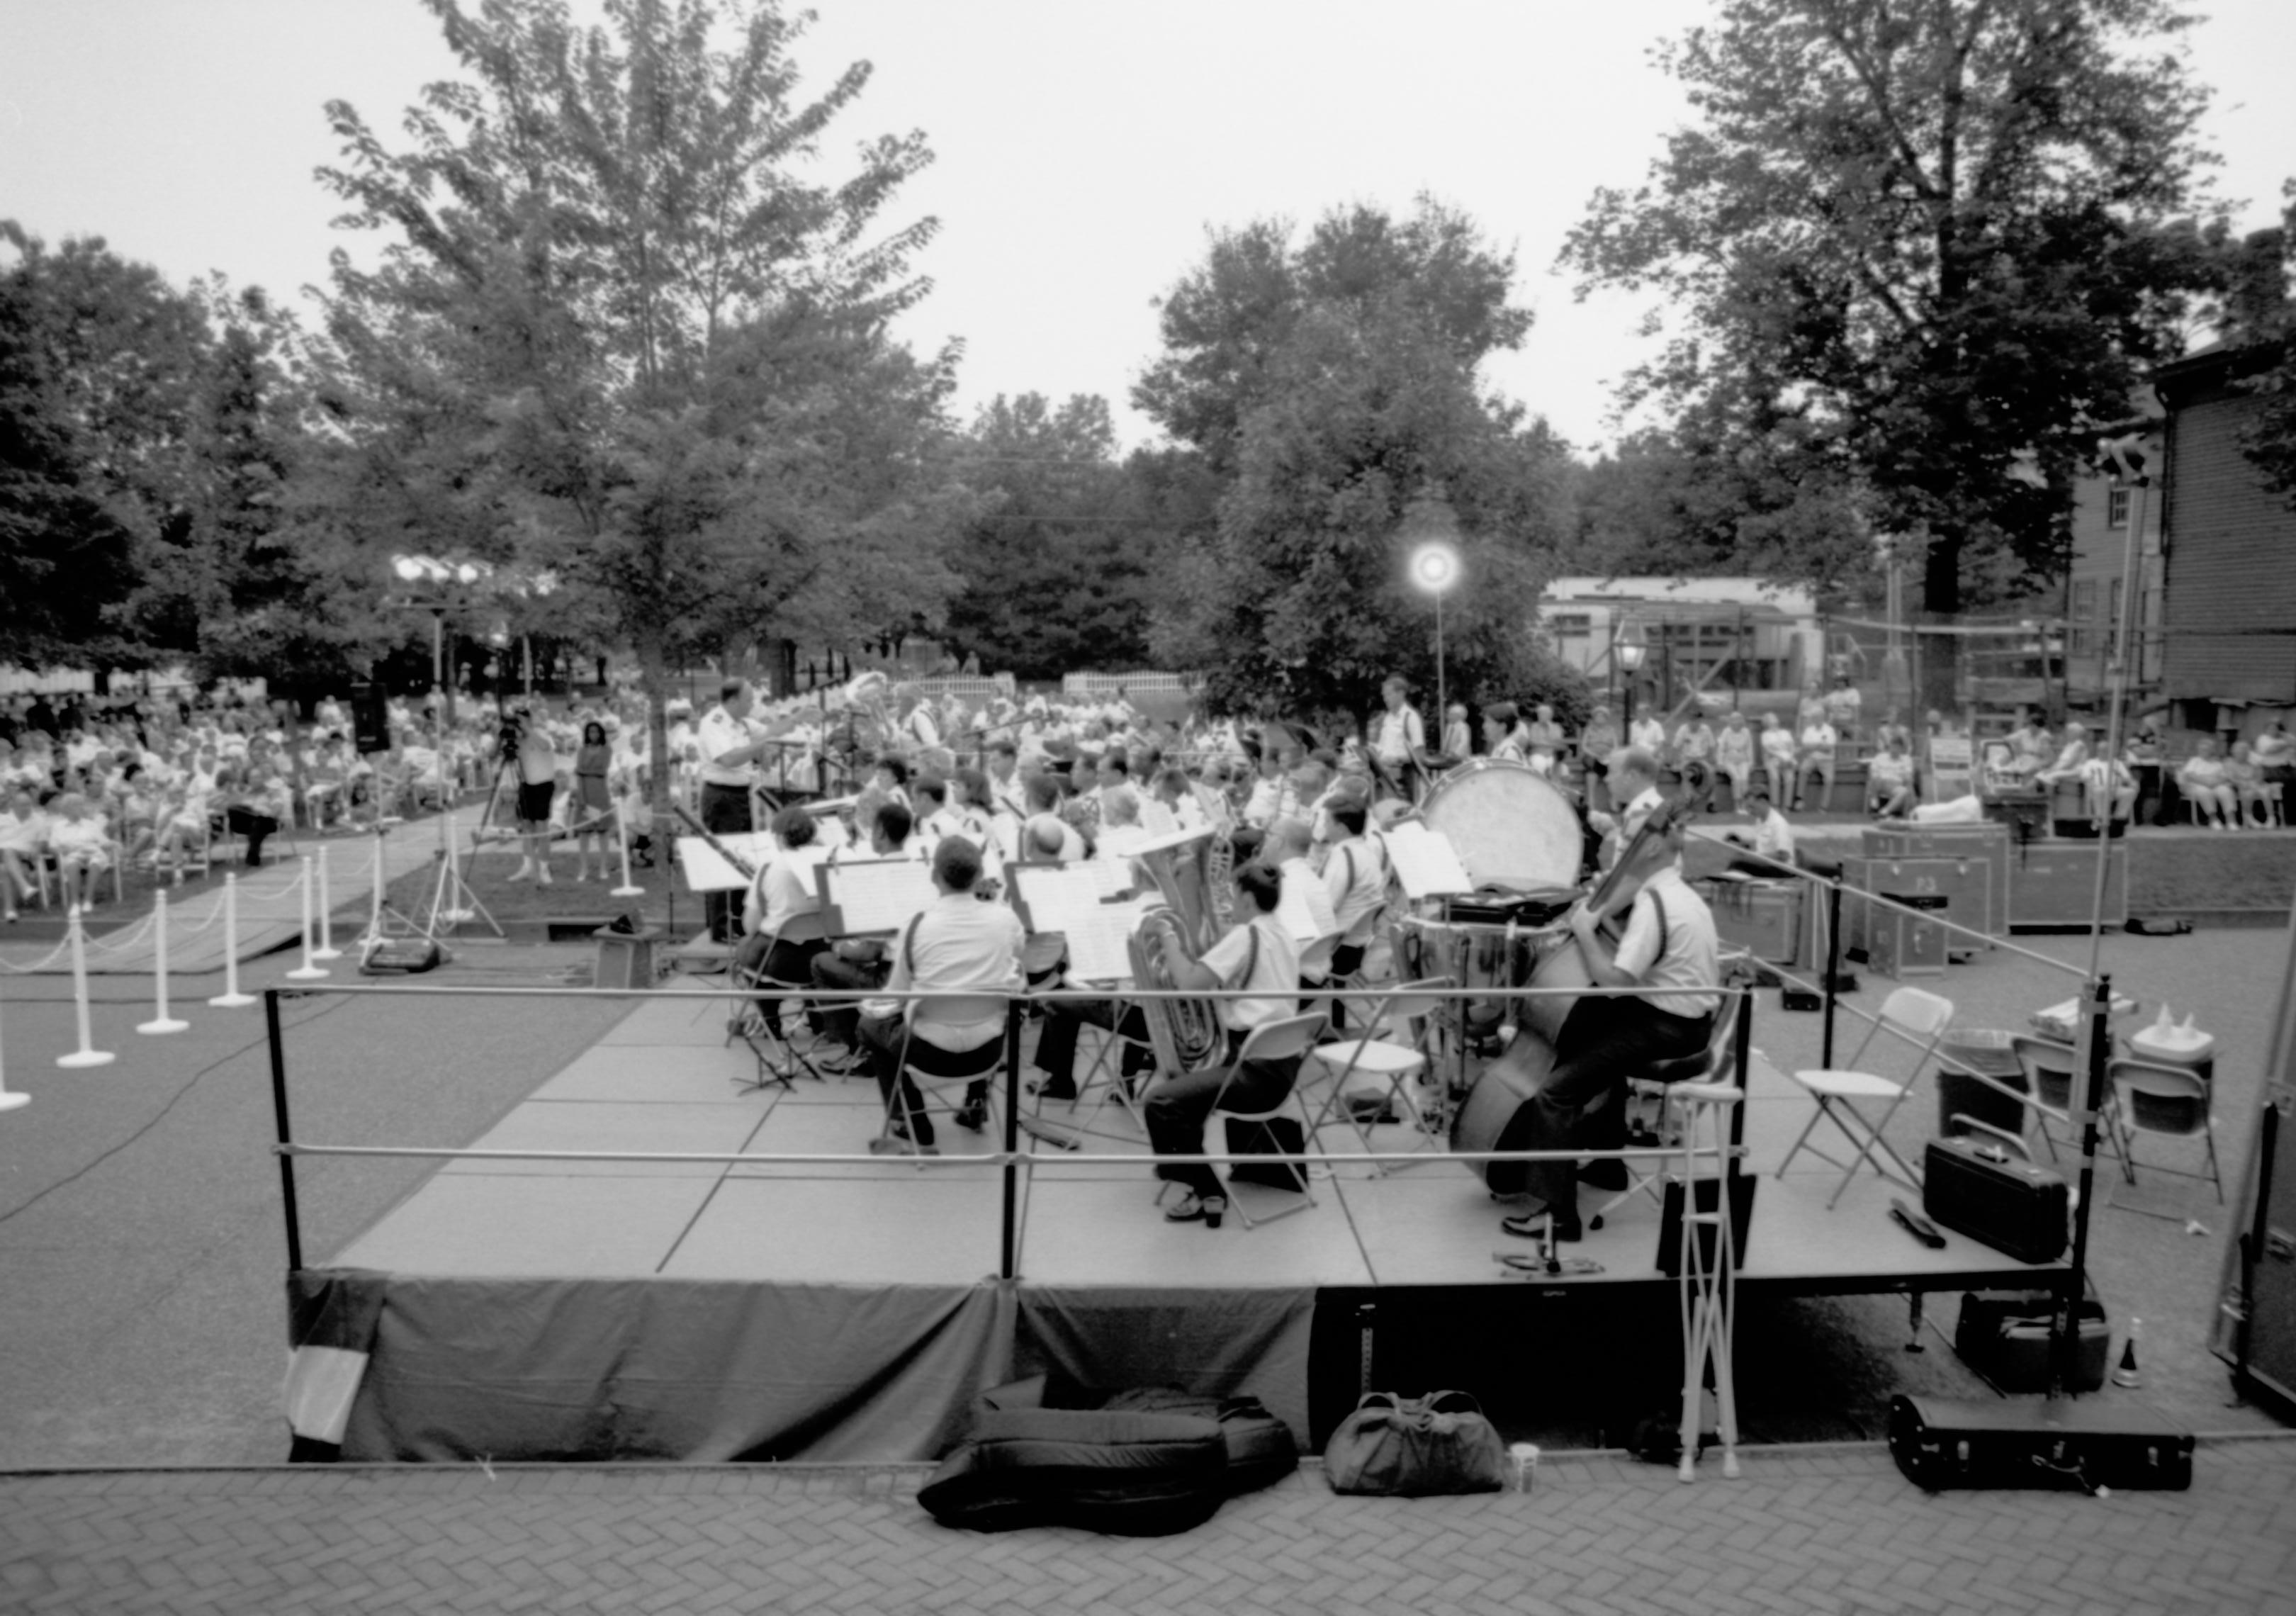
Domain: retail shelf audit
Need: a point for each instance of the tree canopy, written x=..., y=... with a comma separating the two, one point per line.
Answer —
x=620, y=332
x=1920, y=252
x=1330, y=386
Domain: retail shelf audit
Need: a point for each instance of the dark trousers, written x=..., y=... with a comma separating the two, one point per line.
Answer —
x=1177, y=1107
x=725, y=812
x=840, y=1021
x=882, y=1040
x=1057, y=1042
x=1606, y=1041
x=779, y=961
x=254, y=827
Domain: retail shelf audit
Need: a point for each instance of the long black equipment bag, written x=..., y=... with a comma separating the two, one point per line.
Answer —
x=1980, y=1189
x=2084, y=1443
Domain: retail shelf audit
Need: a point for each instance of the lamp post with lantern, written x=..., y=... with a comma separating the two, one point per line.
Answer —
x=1434, y=530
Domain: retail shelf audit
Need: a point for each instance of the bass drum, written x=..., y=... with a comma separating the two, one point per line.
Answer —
x=1511, y=826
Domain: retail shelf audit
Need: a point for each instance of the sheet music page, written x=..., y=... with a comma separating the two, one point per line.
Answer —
x=1425, y=862
x=1157, y=819
x=707, y=871
x=1067, y=899
x=1305, y=910
x=882, y=895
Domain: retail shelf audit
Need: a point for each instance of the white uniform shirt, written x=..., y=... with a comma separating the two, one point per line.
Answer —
x=963, y=945
x=1398, y=734
x=1275, y=973
x=1681, y=981
x=720, y=733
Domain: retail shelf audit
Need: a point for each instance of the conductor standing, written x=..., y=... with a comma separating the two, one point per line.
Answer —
x=729, y=765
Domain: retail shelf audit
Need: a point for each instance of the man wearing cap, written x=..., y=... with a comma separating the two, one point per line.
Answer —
x=729, y=764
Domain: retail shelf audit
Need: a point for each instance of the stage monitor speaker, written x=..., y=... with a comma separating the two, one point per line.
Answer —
x=370, y=719
x=2071, y=1442
x=401, y=956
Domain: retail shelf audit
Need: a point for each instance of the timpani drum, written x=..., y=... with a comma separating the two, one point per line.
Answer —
x=1510, y=825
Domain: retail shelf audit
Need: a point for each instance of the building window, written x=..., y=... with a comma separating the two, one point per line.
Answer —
x=2113, y=617
x=2116, y=507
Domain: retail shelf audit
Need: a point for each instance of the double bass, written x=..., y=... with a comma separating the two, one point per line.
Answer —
x=1498, y=1113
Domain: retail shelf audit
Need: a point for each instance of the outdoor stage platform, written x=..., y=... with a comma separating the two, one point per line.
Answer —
x=851, y=1311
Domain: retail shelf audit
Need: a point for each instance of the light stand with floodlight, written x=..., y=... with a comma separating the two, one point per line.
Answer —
x=453, y=903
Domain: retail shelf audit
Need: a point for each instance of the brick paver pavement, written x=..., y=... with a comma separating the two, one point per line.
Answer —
x=1805, y=1530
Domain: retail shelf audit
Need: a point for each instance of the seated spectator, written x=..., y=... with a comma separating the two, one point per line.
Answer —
x=1890, y=780
x=84, y=849
x=2208, y=786
x=24, y=842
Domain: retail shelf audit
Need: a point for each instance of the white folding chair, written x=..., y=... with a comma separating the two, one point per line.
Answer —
x=1394, y=1062
x=1918, y=1017
x=1291, y=1037
x=1710, y=1064
x=956, y=1009
x=780, y=1059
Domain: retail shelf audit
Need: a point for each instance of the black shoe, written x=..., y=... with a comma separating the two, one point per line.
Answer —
x=1608, y=1173
x=1045, y=1088
x=974, y=1115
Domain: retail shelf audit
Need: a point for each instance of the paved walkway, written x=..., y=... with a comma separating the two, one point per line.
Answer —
x=1805, y=1530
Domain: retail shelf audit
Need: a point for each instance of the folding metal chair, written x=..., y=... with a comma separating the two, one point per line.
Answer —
x=1708, y=1066
x=2168, y=1103
x=2049, y=1078
x=1294, y=1035
x=964, y=1009
x=1918, y=1017
x=1392, y=1062
x=779, y=1059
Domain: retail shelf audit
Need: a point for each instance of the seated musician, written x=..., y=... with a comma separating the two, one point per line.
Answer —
x=1633, y=779
x=1503, y=736
x=1773, y=846
x=1354, y=877
x=1046, y=836
x=1667, y=954
x=1006, y=788
x=1257, y=956
x=959, y=945
x=785, y=889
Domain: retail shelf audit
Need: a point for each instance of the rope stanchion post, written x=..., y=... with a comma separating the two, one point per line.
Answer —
x=10, y=1100
x=87, y=1054
x=231, y=998
x=628, y=888
x=310, y=970
x=327, y=948
x=162, y=1020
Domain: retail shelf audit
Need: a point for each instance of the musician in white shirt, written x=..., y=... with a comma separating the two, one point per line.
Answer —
x=786, y=890
x=1354, y=879
x=730, y=749
x=1259, y=957
x=1772, y=845
x=959, y=945
x=1669, y=955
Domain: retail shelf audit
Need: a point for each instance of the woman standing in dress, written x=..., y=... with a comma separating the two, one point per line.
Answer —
x=594, y=800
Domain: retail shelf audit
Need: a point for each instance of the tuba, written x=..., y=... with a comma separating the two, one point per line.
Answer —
x=1186, y=1033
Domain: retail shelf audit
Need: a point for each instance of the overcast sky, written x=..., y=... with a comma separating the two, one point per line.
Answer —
x=1084, y=147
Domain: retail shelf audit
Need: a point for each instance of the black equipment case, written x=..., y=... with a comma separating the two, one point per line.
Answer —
x=2087, y=1444
x=2004, y=1335
x=1981, y=1190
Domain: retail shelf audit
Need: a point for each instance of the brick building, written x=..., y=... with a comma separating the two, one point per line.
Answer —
x=2228, y=641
